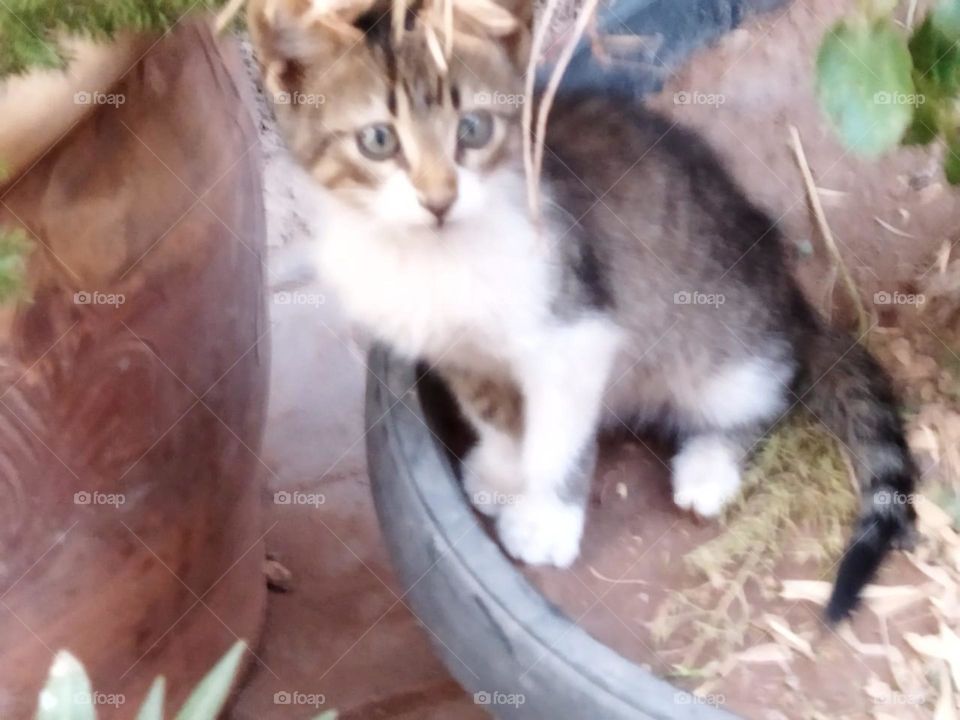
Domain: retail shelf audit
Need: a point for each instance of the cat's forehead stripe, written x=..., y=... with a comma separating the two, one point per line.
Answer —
x=410, y=18
x=421, y=89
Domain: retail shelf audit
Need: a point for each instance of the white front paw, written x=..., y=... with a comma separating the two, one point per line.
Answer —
x=706, y=476
x=491, y=476
x=541, y=530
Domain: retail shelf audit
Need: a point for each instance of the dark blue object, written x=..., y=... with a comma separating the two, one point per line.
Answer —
x=646, y=38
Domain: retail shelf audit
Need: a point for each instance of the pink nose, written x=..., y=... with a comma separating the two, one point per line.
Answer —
x=439, y=207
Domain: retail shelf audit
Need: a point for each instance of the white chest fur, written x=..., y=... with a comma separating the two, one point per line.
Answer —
x=480, y=284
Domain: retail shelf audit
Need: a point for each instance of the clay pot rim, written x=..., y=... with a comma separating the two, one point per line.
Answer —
x=41, y=106
x=467, y=591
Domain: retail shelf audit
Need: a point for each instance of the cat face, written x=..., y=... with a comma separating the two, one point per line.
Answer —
x=390, y=123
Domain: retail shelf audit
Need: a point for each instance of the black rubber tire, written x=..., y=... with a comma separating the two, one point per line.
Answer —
x=494, y=631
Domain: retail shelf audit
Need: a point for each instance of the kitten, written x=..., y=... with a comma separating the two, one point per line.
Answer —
x=652, y=291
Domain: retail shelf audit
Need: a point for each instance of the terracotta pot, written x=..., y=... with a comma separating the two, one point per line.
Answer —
x=133, y=384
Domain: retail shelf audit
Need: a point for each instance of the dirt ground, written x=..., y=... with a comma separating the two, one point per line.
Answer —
x=343, y=631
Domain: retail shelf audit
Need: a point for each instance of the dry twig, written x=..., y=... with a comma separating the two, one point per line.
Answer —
x=814, y=200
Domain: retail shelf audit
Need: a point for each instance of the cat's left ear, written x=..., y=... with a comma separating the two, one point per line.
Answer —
x=289, y=35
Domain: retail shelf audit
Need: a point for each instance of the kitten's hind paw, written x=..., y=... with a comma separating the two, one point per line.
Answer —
x=541, y=530
x=706, y=476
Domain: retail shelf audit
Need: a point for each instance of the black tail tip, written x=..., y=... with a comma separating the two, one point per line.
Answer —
x=875, y=536
x=840, y=607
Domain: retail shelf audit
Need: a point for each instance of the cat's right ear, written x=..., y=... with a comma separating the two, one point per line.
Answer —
x=518, y=41
x=522, y=10
x=289, y=35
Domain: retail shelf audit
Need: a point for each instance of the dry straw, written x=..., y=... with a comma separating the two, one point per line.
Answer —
x=534, y=136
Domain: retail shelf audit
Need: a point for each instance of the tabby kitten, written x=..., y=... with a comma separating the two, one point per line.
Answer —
x=651, y=291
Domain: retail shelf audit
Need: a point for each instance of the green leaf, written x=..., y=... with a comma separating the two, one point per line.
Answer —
x=207, y=699
x=946, y=18
x=31, y=30
x=951, y=162
x=152, y=708
x=924, y=125
x=936, y=61
x=67, y=694
x=14, y=247
x=864, y=84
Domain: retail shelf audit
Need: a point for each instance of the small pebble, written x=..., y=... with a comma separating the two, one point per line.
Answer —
x=279, y=578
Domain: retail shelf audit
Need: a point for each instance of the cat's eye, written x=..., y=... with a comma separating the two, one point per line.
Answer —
x=475, y=129
x=378, y=141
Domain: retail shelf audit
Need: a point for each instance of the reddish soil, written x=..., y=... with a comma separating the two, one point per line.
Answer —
x=764, y=74
x=632, y=562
